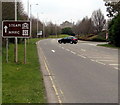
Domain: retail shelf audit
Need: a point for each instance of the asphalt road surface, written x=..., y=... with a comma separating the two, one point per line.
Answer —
x=83, y=72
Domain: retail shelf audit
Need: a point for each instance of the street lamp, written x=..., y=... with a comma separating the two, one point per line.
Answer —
x=31, y=15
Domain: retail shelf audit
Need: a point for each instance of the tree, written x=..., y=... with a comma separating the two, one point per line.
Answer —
x=68, y=31
x=98, y=20
x=113, y=8
x=84, y=27
x=114, y=31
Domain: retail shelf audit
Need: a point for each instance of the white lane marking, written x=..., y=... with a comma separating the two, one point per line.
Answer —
x=113, y=64
x=73, y=52
x=53, y=51
x=107, y=60
x=100, y=63
x=83, y=50
x=62, y=47
x=98, y=57
x=116, y=68
x=92, y=60
x=81, y=56
x=61, y=92
x=92, y=44
x=67, y=49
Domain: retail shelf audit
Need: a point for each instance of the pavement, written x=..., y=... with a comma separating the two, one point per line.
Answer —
x=79, y=73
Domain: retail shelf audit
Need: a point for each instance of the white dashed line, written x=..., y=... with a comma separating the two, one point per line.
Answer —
x=81, y=56
x=92, y=60
x=53, y=51
x=99, y=57
x=100, y=63
x=73, y=52
x=107, y=60
x=116, y=68
x=83, y=50
x=67, y=49
x=113, y=64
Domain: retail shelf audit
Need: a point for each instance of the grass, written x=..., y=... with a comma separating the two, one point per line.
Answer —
x=108, y=45
x=0, y=78
x=58, y=36
x=22, y=83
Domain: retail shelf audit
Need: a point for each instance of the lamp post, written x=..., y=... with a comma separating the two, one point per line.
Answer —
x=31, y=16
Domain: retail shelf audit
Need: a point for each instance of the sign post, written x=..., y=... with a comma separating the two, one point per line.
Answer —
x=16, y=29
x=7, y=50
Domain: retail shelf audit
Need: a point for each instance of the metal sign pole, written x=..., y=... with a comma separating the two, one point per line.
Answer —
x=7, y=50
x=16, y=46
x=16, y=50
x=25, y=52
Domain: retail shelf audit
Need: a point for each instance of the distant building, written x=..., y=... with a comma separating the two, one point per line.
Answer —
x=66, y=24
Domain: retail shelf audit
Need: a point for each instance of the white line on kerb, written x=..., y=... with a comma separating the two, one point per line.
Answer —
x=53, y=50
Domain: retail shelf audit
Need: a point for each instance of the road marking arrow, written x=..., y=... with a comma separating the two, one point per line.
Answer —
x=5, y=29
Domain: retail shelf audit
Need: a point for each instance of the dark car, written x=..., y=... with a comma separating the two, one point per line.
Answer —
x=70, y=40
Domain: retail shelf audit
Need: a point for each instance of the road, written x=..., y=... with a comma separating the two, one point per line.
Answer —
x=83, y=72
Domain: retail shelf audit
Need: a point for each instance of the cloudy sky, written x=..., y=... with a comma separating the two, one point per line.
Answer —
x=59, y=11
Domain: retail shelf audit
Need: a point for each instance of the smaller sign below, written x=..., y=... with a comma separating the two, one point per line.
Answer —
x=16, y=29
x=39, y=33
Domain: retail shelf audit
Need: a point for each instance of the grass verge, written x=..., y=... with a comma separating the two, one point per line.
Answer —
x=22, y=83
x=0, y=78
x=108, y=45
x=59, y=36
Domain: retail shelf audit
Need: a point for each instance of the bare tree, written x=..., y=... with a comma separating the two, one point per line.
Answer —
x=84, y=27
x=98, y=20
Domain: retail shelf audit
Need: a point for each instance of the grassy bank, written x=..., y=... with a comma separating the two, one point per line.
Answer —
x=0, y=78
x=58, y=36
x=108, y=45
x=23, y=83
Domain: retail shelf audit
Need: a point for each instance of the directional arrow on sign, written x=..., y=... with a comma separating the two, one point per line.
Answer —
x=5, y=29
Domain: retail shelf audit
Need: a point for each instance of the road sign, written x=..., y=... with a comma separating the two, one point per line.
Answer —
x=16, y=29
x=39, y=33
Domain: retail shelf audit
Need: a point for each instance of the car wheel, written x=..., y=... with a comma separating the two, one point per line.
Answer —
x=60, y=42
x=71, y=42
x=75, y=43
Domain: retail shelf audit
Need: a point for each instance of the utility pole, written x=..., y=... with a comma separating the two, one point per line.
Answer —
x=37, y=24
x=16, y=40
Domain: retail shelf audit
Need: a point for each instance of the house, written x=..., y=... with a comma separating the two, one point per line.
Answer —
x=66, y=24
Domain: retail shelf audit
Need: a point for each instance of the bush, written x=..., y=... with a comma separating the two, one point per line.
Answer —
x=114, y=31
x=68, y=31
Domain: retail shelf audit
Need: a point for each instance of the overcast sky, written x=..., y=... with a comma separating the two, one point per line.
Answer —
x=59, y=11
